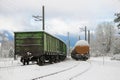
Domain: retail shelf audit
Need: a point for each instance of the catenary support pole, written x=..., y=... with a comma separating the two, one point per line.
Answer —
x=43, y=18
x=85, y=33
x=89, y=36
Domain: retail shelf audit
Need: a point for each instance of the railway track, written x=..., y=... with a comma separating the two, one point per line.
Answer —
x=65, y=70
x=55, y=72
x=84, y=71
x=69, y=70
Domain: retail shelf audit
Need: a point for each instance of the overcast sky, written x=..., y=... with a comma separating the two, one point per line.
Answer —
x=61, y=16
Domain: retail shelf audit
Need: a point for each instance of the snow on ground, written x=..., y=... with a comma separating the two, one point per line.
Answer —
x=68, y=75
x=97, y=70
x=29, y=72
x=9, y=62
x=109, y=70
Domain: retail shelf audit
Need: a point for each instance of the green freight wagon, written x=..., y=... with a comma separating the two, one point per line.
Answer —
x=39, y=46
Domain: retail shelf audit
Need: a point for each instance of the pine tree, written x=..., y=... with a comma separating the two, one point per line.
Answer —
x=117, y=19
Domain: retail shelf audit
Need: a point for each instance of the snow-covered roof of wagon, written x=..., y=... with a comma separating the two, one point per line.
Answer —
x=82, y=43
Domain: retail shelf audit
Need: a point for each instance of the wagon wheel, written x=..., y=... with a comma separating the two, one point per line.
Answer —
x=41, y=60
x=51, y=59
x=57, y=59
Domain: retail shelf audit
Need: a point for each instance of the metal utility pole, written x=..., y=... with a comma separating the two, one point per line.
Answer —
x=89, y=36
x=84, y=29
x=41, y=18
x=79, y=37
x=68, y=43
x=85, y=33
x=103, y=52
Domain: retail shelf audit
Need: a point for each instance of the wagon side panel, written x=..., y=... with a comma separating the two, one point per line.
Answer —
x=29, y=42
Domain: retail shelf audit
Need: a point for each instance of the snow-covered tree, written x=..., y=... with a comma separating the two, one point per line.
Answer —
x=5, y=46
x=92, y=43
x=116, y=45
x=104, y=36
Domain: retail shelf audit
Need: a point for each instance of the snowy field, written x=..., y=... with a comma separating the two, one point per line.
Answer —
x=93, y=69
x=9, y=62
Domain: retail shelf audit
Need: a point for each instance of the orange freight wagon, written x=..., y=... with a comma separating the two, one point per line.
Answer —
x=81, y=50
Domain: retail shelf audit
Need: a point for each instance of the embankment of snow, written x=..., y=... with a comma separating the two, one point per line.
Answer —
x=116, y=57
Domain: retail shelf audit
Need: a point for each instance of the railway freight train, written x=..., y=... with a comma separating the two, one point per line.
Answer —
x=39, y=47
x=81, y=50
